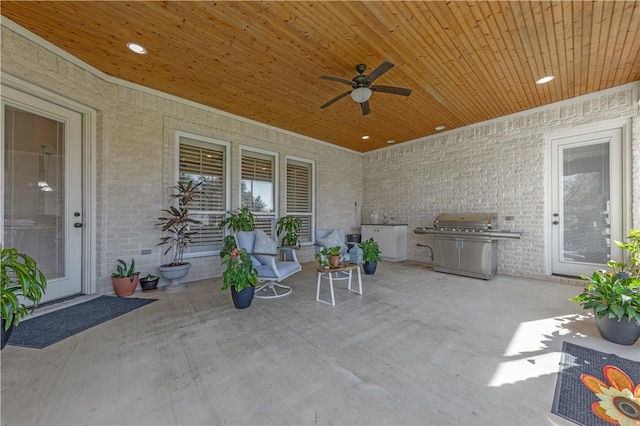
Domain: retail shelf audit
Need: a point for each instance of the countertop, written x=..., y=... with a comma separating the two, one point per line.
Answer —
x=385, y=224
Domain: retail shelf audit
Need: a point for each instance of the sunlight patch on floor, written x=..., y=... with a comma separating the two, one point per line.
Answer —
x=530, y=344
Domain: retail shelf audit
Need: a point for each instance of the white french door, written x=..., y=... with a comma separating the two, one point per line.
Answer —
x=42, y=212
x=587, y=201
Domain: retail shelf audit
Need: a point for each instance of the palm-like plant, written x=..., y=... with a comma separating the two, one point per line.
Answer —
x=238, y=220
x=177, y=221
x=290, y=226
x=20, y=276
x=616, y=293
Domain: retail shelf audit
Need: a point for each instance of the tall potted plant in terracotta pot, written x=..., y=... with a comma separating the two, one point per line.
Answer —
x=240, y=276
x=614, y=295
x=20, y=278
x=176, y=224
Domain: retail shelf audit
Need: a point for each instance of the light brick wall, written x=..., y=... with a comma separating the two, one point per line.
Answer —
x=135, y=156
x=496, y=166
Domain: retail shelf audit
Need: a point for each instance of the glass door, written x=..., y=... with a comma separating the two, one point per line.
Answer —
x=41, y=187
x=587, y=201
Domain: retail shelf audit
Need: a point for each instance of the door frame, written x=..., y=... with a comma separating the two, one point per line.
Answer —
x=624, y=125
x=88, y=117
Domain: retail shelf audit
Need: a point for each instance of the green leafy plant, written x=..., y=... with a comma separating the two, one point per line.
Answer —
x=290, y=226
x=240, y=272
x=124, y=271
x=150, y=278
x=20, y=277
x=323, y=255
x=237, y=220
x=370, y=251
x=616, y=293
x=177, y=221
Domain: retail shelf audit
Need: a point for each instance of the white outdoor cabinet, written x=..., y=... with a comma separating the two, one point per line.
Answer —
x=392, y=240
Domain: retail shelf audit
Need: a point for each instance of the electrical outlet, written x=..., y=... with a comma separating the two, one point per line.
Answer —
x=146, y=251
x=509, y=218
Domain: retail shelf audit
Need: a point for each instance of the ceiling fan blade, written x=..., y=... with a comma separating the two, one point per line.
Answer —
x=382, y=68
x=338, y=79
x=366, y=110
x=391, y=89
x=336, y=99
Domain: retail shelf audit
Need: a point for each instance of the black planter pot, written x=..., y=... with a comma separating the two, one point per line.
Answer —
x=370, y=267
x=242, y=299
x=148, y=286
x=622, y=332
x=5, y=334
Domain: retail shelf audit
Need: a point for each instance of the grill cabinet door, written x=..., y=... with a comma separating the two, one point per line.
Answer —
x=447, y=252
x=479, y=257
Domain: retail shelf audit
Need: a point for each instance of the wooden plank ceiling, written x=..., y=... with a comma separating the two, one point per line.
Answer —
x=466, y=62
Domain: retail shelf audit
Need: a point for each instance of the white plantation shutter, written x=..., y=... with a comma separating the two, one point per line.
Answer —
x=299, y=195
x=204, y=162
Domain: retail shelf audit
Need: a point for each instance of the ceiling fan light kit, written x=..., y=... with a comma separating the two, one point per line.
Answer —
x=361, y=94
x=362, y=87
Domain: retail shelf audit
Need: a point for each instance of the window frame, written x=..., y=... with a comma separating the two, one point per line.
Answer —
x=248, y=149
x=226, y=146
x=312, y=195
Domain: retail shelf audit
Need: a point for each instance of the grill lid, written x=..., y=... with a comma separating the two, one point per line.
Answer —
x=466, y=221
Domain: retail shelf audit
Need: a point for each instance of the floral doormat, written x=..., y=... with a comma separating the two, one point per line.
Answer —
x=595, y=388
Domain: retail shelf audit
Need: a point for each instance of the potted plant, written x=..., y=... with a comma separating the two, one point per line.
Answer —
x=241, y=276
x=289, y=226
x=614, y=295
x=370, y=255
x=20, y=277
x=125, y=278
x=176, y=222
x=237, y=220
x=329, y=257
x=149, y=283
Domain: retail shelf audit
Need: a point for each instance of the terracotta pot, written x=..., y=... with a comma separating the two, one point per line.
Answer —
x=124, y=286
x=334, y=261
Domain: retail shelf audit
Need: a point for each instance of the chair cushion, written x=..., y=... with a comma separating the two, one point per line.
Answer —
x=331, y=240
x=246, y=240
x=264, y=244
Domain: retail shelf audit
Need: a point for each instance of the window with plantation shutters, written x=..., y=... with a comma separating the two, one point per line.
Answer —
x=258, y=188
x=205, y=161
x=299, y=195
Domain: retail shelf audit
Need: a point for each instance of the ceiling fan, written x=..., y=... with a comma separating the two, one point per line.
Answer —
x=362, y=86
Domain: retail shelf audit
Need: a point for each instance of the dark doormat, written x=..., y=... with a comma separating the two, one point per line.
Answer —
x=47, y=329
x=611, y=377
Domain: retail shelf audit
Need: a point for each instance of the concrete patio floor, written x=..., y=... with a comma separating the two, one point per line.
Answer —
x=418, y=347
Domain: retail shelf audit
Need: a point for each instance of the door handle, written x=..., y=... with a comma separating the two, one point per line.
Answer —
x=77, y=225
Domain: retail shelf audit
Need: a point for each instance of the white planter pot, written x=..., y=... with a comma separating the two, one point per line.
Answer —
x=174, y=274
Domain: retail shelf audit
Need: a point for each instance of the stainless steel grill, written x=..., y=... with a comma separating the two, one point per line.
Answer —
x=466, y=244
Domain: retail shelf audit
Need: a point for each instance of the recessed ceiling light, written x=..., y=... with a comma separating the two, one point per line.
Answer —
x=545, y=79
x=136, y=48
x=440, y=128
x=391, y=141
x=365, y=137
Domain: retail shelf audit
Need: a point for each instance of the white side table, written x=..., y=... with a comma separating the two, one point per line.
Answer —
x=328, y=273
